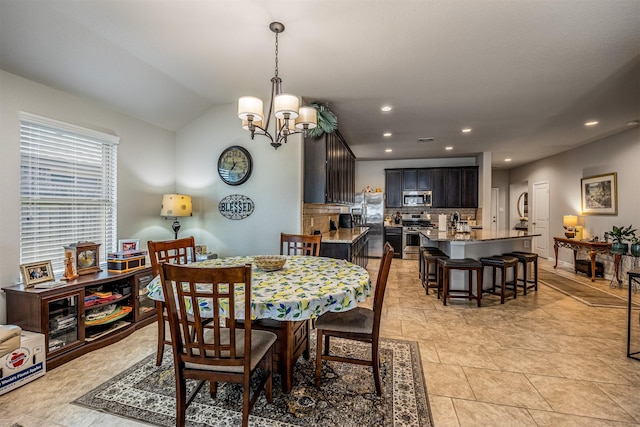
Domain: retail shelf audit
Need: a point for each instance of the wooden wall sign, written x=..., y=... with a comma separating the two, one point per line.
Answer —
x=236, y=206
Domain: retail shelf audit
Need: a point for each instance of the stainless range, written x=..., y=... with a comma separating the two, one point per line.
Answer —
x=411, y=226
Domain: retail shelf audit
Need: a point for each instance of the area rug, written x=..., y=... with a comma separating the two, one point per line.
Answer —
x=347, y=396
x=580, y=291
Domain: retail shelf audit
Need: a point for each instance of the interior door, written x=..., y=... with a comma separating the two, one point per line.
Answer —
x=540, y=210
x=494, y=209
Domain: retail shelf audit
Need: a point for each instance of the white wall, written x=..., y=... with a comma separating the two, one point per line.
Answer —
x=145, y=165
x=618, y=153
x=275, y=185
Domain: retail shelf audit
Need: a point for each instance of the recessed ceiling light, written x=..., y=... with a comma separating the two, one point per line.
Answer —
x=592, y=123
x=507, y=160
x=386, y=108
x=466, y=130
x=387, y=134
x=633, y=123
x=388, y=150
x=448, y=148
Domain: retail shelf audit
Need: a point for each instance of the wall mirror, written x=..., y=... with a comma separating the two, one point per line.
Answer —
x=523, y=205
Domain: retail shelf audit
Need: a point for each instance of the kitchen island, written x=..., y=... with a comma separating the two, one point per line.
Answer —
x=351, y=244
x=476, y=244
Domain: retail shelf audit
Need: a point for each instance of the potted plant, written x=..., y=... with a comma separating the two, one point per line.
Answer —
x=620, y=236
x=635, y=246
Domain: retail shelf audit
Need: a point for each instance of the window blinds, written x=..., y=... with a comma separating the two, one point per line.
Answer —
x=68, y=189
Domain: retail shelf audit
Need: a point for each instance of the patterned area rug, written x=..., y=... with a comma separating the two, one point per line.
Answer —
x=347, y=397
x=580, y=291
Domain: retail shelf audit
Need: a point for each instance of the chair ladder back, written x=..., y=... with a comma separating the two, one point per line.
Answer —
x=300, y=244
x=381, y=282
x=213, y=342
x=178, y=251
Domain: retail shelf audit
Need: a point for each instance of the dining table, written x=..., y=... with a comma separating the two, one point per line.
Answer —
x=283, y=301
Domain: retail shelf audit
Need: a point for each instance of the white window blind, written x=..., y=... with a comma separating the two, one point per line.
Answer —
x=68, y=189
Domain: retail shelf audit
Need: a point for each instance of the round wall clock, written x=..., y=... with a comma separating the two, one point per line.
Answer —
x=235, y=165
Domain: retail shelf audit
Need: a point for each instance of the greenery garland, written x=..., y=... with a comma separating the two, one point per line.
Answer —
x=327, y=121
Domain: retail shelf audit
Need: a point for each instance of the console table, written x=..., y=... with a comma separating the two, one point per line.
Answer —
x=594, y=249
x=634, y=282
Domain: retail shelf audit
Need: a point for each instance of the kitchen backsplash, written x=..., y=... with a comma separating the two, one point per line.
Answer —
x=316, y=217
x=465, y=213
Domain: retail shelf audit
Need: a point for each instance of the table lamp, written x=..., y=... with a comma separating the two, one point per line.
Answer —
x=174, y=206
x=570, y=222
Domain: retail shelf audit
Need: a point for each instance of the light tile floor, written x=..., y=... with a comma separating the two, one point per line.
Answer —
x=540, y=360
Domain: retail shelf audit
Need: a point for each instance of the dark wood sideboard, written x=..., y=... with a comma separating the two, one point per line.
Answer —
x=61, y=313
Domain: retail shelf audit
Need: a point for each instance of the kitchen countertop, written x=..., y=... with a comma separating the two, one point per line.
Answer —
x=393, y=225
x=344, y=235
x=475, y=235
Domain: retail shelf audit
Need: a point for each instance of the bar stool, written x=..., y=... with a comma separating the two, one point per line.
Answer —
x=504, y=263
x=430, y=280
x=446, y=265
x=421, y=265
x=525, y=258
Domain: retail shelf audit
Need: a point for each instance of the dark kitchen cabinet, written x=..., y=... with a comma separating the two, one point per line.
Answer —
x=469, y=190
x=393, y=188
x=329, y=170
x=409, y=179
x=438, y=195
x=416, y=179
x=393, y=235
x=425, y=180
x=452, y=186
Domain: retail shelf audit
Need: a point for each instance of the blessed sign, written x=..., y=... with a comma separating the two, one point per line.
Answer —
x=236, y=206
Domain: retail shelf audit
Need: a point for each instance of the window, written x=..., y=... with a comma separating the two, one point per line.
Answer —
x=68, y=183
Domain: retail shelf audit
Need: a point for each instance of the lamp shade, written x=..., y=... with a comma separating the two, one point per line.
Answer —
x=308, y=116
x=286, y=104
x=570, y=220
x=245, y=124
x=250, y=106
x=176, y=205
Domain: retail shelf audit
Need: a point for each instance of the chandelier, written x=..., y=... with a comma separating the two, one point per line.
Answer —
x=290, y=118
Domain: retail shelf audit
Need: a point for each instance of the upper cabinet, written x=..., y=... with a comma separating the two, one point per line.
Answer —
x=451, y=187
x=329, y=170
x=393, y=188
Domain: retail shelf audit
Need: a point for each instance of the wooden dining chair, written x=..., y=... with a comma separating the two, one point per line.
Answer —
x=179, y=251
x=359, y=324
x=300, y=244
x=218, y=350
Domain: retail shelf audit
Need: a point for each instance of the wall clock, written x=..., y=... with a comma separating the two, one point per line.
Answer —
x=86, y=256
x=235, y=165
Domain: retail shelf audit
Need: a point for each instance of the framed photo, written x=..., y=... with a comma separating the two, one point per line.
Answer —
x=600, y=194
x=36, y=272
x=201, y=249
x=128, y=245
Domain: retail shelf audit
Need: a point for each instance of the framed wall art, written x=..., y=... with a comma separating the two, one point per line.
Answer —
x=128, y=245
x=36, y=272
x=600, y=194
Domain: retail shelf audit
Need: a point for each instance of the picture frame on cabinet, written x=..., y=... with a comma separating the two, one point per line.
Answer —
x=599, y=194
x=128, y=245
x=36, y=272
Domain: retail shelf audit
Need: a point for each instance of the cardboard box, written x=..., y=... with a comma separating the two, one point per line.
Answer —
x=24, y=364
x=123, y=265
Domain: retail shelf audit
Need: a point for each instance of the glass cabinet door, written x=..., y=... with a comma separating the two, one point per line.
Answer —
x=145, y=306
x=64, y=316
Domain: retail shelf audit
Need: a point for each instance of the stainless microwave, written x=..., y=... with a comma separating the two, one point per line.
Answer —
x=416, y=198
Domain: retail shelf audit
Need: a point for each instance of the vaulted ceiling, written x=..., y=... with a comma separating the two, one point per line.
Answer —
x=523, y=75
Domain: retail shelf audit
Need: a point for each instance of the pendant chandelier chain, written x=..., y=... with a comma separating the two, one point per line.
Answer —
x=276, y=55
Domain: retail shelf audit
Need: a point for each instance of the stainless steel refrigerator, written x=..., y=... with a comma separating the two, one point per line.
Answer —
x=372, y=208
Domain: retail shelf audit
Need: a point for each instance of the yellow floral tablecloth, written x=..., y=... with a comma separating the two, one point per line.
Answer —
x=304, y=288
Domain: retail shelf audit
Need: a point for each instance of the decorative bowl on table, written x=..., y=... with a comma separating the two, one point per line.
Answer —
x=269, y=262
